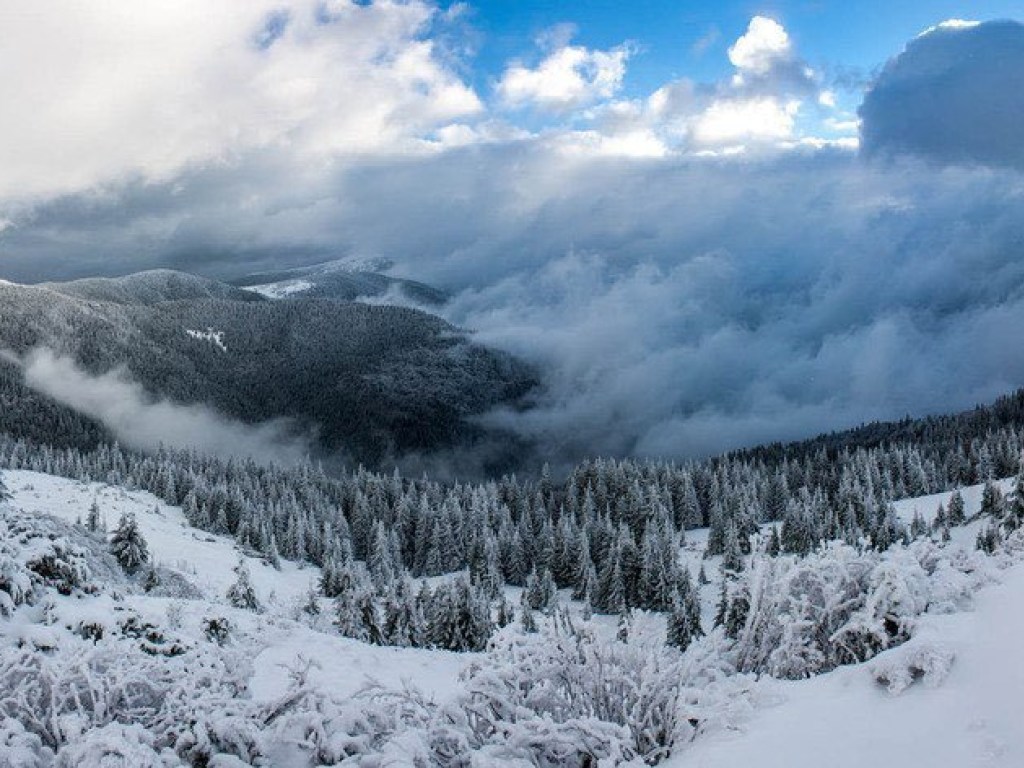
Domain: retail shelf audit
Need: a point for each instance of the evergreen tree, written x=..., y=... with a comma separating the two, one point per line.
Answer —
x=956, y=511
x=242, y=594
x=92, y=521
x=128, y=545
x=732, y=554
x=679, y=629
x=403, y=621
x=991, y=501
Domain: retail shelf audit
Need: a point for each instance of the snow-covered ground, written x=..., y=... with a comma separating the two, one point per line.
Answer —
x=208, y=562
x=281, y=290
x=204, y=559
x=968, y=717
x=927, y=506
x=214, y=337
x=846, y=719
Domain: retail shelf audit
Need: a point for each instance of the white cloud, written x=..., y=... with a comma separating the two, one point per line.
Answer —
x=733, y=122
x=569, y=77
x=102, y=92
x=761, y=47
x=138, y=420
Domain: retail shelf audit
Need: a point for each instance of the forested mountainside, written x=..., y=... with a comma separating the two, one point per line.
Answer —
x=150, y=287
x=374, y=381
x=942, y=432
x=608, y=531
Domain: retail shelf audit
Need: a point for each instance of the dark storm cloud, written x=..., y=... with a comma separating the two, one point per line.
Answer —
x=955, y=94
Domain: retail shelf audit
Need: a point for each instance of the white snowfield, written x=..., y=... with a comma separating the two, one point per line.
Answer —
x=281, y=290
x=964, y=711
x=214, y=337
x=927, y=506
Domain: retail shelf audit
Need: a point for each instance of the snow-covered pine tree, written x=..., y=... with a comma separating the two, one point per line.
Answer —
x=991, y=501
x=679, y=628
x=242, y=594
x=92, y=520
x=128, y=545
x=403, y=621
x=956, y=510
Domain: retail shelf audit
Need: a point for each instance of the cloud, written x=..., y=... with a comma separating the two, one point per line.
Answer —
x=569, y=77
x=761, y=48
x=120, y=91
x=703, y=305
x=139, y=421
x=954, y=95
x=731, y=122
x=677, y=303
x=757, y=108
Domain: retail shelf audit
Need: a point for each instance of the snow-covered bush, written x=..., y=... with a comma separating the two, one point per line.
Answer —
x=63, y=698
x=116, y=746
x=35, y=554
x=840, y=604
x=562, y=697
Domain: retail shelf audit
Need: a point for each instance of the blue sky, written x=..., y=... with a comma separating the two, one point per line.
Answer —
x=680, y=38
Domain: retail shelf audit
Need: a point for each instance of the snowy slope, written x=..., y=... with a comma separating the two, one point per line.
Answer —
x=963, y=714
x=927, y=506
x=207, y=561
x=846, y=719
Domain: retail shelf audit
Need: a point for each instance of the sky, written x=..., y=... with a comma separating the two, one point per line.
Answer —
x=708, y=224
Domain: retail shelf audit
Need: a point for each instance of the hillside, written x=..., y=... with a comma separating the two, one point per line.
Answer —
x=345, y=280
x=372, y=382
x=282, y=688
x=150, y=287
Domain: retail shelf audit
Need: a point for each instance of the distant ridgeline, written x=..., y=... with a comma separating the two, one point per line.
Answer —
x=371, y=380
x=610, y=531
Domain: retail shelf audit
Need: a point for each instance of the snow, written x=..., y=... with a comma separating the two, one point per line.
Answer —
x=344, y=666
x=281, y=290
x=927, y=506
x=949, y=697
x=207, y=561
x=203, y=558
x=846, y=718
x=214, y=337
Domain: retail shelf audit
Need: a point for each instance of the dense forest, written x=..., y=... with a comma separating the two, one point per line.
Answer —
x=609, y=530
x=369, y=382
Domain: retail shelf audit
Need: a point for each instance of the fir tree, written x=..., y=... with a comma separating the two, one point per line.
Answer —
x=242, y=594
x=128, y=545
x=956, y=511
x=92, y=521
x=679, y=628
x=991, y=501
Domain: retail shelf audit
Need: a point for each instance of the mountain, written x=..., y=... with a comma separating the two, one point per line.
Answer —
x=346, y=280
x=372, y=380
x=150, y=287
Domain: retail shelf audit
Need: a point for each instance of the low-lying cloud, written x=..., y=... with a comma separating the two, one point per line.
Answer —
x=140, y=421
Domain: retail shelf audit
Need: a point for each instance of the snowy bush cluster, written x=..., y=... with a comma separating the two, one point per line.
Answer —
x=795, y=617
x=34, y=555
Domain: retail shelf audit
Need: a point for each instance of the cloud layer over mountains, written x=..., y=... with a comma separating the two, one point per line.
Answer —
x=731, y=285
